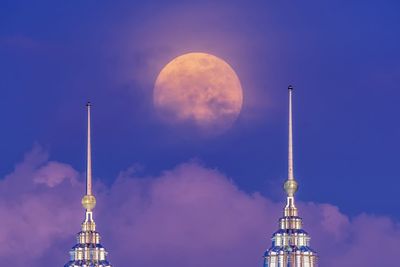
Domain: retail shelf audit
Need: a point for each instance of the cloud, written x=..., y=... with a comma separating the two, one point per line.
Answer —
x=53, y=173
x=189, y=216
x=34, y=212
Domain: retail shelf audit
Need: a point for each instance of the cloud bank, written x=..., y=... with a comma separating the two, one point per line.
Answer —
x=190, y=216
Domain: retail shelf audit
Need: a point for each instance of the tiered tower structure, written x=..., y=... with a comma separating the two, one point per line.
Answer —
x=88, y=252
x=290, y=244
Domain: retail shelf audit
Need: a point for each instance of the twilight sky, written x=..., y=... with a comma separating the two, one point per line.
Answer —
x=171, y=194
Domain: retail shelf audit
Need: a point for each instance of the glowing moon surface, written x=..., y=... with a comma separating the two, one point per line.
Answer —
x=199, y=88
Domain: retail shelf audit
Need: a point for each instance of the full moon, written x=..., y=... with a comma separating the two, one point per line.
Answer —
x=199, y=89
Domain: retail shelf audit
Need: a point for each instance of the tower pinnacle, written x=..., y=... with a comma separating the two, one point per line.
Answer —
x=89, y=154
x=89, y=201
x=290, y=143
x=290, y=185
x=88, y=251
x=290, y=244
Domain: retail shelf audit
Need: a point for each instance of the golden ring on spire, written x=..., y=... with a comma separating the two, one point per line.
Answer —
x=89, y=202
x=290, y=187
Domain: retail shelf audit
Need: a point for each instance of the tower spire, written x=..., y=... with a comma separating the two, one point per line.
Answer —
x=89, y=201
x=89, y=154
x=290, y=244
x=290, y=143
x=88, y=251
x=290, y=185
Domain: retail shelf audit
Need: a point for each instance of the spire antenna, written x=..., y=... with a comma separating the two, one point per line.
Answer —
x=88, y=251
x=291, y=244
x=89, y=154
x=89, y=201
x=290, y=185
x=290, y=150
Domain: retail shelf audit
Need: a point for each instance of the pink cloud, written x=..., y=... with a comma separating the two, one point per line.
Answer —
x=53, y=173
x=189, y=216
x=33, y=215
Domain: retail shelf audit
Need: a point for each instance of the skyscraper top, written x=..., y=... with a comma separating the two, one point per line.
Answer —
x=290, y=244
x=88, y=251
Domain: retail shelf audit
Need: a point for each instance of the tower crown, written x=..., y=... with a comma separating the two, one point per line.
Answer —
x=290, y=244
x=88, y=251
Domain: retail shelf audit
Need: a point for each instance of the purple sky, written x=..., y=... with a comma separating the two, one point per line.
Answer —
x=167, y=195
